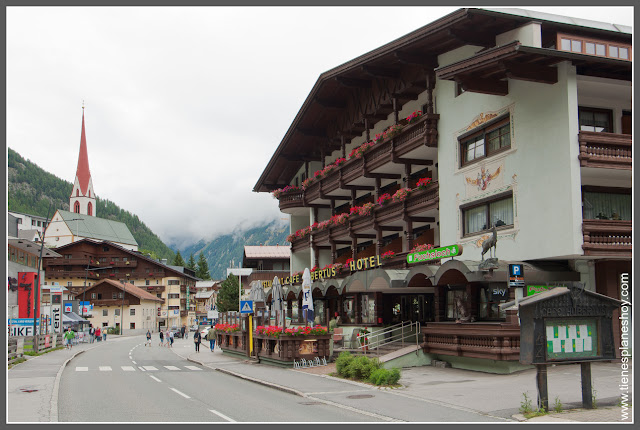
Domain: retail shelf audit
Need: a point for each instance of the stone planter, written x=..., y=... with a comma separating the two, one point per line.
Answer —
x=289, y=348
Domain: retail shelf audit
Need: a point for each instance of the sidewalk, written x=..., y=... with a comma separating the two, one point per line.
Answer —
x=428, y=383
x=32, y=386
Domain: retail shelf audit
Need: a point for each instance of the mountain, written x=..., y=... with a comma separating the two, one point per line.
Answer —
x=220, y=251
x=30, y=189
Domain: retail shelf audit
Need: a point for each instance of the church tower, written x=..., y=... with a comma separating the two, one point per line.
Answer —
x=83, y=198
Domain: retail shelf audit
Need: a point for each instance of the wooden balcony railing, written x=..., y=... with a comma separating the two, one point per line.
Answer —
x=607, y=237
x=605, y=150
x=497, y=341
x=290, y=200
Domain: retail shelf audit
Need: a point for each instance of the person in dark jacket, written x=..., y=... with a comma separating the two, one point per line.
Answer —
x=183, y=329
x=196, y=340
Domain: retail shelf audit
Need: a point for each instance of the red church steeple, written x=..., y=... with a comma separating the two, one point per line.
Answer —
x=83, y=198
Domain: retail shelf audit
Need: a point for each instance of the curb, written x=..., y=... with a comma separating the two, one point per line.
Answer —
x=261, y=382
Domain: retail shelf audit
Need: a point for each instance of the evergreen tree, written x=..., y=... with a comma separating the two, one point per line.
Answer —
x=192, y=263
x=178, y=261
x=228, y=295
x=203, y=268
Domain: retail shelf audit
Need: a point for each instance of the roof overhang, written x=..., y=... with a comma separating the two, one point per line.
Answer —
x=487, y=72
x=32, y=248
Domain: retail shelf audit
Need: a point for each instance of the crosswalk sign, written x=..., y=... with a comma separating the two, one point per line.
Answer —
x=246, y=306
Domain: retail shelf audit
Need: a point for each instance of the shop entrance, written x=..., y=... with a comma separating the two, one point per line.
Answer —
x=410, y=307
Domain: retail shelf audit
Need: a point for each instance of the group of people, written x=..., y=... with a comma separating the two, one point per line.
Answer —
x=166, y=338
x=210, y=336
x=95, y=333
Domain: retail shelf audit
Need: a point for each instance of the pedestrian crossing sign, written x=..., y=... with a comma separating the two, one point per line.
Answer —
x=246, y=306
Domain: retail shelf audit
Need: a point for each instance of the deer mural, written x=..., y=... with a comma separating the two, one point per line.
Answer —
x=490, y=243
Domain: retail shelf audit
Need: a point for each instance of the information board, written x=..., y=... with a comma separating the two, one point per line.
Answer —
x=571, y=339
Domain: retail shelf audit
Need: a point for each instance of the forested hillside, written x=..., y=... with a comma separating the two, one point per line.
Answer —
x=220, y=251
x=30, y=189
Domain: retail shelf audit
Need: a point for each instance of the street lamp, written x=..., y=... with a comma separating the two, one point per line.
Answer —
x=122, y=309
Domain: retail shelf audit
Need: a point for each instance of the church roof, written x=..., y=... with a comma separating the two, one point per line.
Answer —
x=92, y=227
x=82, y=173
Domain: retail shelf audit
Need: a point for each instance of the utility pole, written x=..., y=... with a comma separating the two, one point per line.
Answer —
x=36, y=287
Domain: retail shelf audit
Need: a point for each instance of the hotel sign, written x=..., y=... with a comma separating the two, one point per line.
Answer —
x=435, y=254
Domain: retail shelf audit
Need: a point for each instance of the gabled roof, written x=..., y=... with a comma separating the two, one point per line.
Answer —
x=31, y=247
x=136, y=254
x=127, y=288
x=267, y=251
x=82, y=173
x=93, y=227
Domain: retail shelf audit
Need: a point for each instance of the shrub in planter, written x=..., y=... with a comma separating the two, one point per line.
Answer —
x=383, y=376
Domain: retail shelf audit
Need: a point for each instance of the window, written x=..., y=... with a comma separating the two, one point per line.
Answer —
x=159, y=295
x=146, y=282
x=99, y=296
x=132, y=325
x=105, y=312
x=600, y=48
x=489, y=303
x=114, y=295
x=132, y=312
x=120, y=295
x=173, y=282
x=33, y=222
x=455, y=301
x=76, y=207
x=69, y=284
x=93, y=295
x=479, y=144
x=104, y=324
x=132, y=282
x=117, y=313
x=174, y=296
x=612, y=204
x=592, y=119
x=89, y=209
x=482, y=216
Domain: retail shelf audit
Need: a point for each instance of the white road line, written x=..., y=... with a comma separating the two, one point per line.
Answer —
x=149, y=368
x=128, y=368
x=153, y=377
x=224, y=417
x=141, y=369
x=193, y=368
x=105, y=368
x=172, y=368
x=182, y=394
x=82, y=369
x=133, y=362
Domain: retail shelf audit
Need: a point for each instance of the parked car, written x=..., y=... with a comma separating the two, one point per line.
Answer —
x=194, y=328
x=177, y=334
x=203, y=333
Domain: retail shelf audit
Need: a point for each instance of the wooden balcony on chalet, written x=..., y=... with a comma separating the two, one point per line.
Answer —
x=605, y=150
x=493, y=341
x=412, y=136
x=607, y=237
x=419, y=202
x=80, y=261
x=265, y=275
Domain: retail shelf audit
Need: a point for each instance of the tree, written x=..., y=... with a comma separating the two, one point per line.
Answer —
x=150, y=254
x=228, y=295
x=192, y=263
x=178, y=261
x=202, y=271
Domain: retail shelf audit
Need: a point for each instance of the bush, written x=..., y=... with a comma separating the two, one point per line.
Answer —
x=357, y=367
x=383, y=376
x=342, y=363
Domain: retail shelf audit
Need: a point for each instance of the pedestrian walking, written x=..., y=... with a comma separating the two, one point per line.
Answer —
x=98, y=335
x=166, y=337
x=92, y=333
x=148, y=342
x=196, y=340
x=161, y=338
x=171, y=339
x=104, y=334
x=211, y=335
x=183, y=329
x=68, y=337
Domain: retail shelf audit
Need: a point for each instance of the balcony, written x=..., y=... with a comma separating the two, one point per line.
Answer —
x=493, y=341
x=291, y=200
x=607, y=238
x=419, y=203
x=265, y=275
x=605, y=150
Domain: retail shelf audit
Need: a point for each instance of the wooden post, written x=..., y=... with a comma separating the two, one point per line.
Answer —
x=587, y=392
x=541, y=383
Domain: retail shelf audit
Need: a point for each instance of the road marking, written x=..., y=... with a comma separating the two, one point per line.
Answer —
x=141, y=369
x=193, y=368
x=133, y=362
x=128, y=368
x=149, y=368
x=82, y=369
x=224, y=417
x=172, y=368
x=105, y=368
x=182, y=394
x=153, y=377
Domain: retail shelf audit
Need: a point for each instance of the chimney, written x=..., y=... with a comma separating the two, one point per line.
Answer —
x=164, y=261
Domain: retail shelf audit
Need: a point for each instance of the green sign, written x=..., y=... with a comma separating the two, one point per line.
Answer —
x=570, y=339
x=435, y=254
x=533, y=289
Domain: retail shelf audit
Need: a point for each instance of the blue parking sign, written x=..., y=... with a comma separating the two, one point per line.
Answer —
x=516, y=270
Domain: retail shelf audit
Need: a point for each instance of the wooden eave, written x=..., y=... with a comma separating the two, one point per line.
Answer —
x=486, y=71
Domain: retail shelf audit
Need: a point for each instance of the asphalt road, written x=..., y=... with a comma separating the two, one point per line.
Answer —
x=128, y=382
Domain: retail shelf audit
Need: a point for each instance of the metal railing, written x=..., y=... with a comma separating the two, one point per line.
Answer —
x=402, y=333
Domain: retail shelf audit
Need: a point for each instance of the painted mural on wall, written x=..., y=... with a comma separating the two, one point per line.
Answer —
x=485, y=178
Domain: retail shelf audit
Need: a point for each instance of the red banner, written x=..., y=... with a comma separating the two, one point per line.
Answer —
x=26, y=293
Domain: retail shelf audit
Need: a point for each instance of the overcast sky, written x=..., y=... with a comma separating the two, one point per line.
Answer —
x=184, y=107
